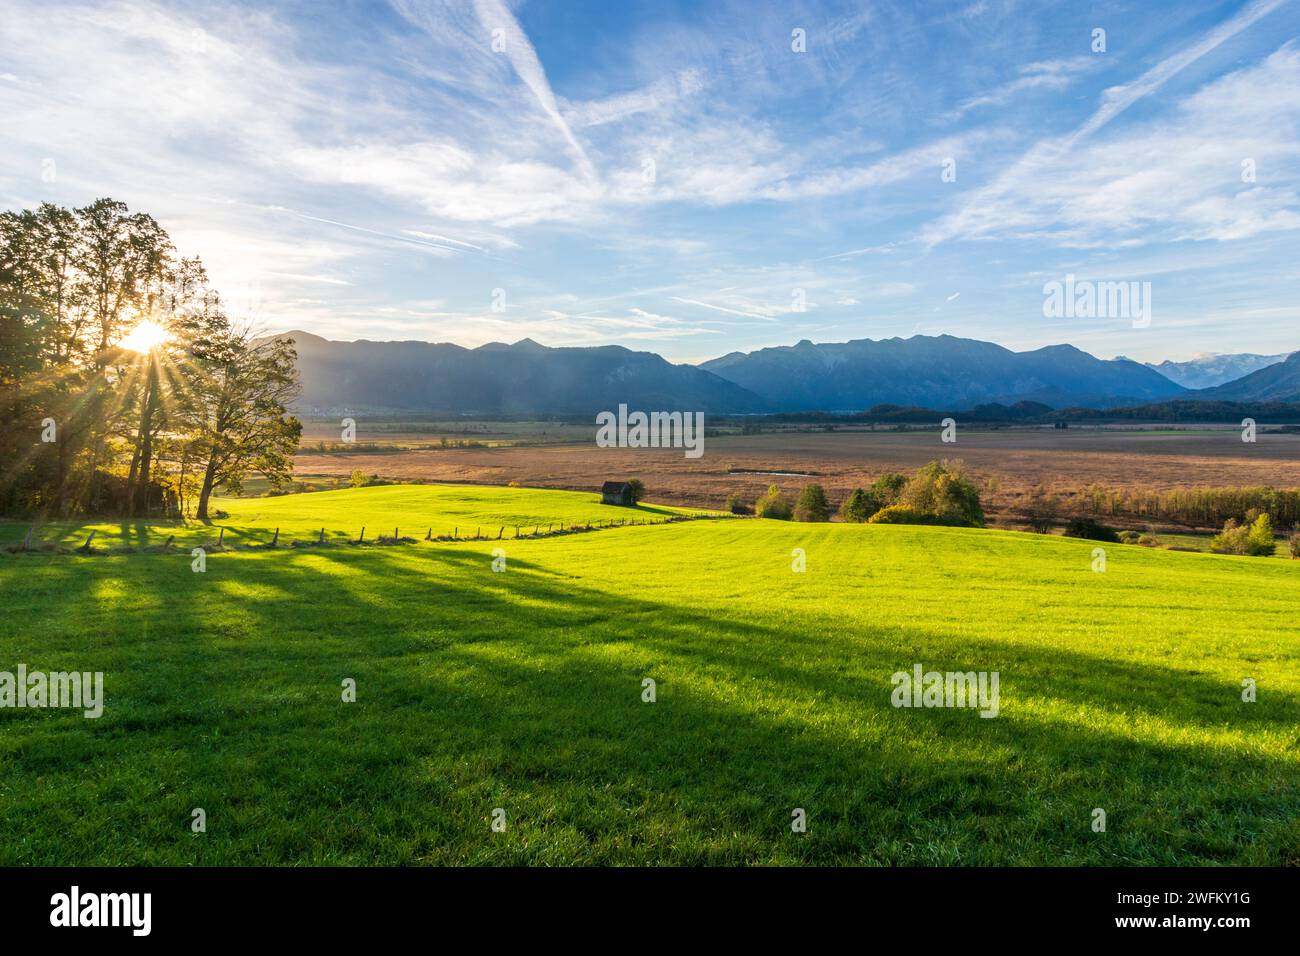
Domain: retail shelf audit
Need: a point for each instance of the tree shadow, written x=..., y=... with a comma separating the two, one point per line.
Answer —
x=524, y=690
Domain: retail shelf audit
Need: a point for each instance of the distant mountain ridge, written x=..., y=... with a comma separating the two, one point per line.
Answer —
x=1274, y=383
x=1212, y=370
x=498, y=379
x=936, y=371
x=526, y=378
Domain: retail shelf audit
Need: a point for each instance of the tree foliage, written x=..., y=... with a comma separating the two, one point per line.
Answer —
x=812, y=504
x=95, y=427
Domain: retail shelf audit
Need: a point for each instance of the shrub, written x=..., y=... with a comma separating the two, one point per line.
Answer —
x=1259, y=540
x=901, y=514
x=773, y=505
x=942, y=489
x=1294, y=542
x=358, y=479
x=1231, y=540
x=859, y=506
x=1129, y=537
x=635, y=489
x=812, y=505
x=736, y=505
x=1149, y=541
x=1041, y=509
x=1090, y=529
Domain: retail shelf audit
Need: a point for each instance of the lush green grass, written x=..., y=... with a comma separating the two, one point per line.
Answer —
x=522, y=690
x=411, y=509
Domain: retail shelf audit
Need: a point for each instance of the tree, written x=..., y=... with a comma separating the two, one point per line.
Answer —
x=888, y=487
x=240, y=410
x=942, y=489
x=859, y=506
x=1259, y=541
x=773, y=505
x=812, y=505
x=635, y=489
x=1232, y=539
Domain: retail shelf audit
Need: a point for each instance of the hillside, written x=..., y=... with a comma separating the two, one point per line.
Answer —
x=523, y=690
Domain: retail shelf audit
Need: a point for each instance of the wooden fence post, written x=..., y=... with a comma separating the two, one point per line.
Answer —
x=322, y=536
x=363, y=535
x=85, y=548
x=221, y=536
x=274, y=541
x=501, y=532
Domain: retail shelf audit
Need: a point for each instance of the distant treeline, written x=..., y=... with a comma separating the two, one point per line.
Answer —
x=1036, y=413
x=1193, y=507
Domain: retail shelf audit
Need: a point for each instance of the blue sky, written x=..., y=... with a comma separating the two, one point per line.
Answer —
x=675, y=176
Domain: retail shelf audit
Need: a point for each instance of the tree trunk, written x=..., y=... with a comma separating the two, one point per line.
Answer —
x=209, y=477
x=140, y=494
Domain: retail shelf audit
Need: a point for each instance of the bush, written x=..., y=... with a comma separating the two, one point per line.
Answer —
x=812, y=505
x=773, y=505
x=1294, y=542
x=942, y=489
x=886, y=489
x=901, y=514
x=1129, y=537
x=1259, y=541
x=1149, y=541
x=1041, y=509
x=736, y=505
x=635, y=489
x=1091, y=529
x=358, y=479
x=1231, y=540
x=859, y=506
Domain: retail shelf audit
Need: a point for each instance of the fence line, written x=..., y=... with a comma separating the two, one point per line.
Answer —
x=552, y=529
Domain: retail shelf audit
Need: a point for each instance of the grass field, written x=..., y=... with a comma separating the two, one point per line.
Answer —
x=412, y=510
x=522, y=690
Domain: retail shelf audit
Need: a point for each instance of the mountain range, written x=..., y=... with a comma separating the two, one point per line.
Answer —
x=525, y=378
x=506, y=380
x=1274, y=383
x=1212, y=369
x=940, y=372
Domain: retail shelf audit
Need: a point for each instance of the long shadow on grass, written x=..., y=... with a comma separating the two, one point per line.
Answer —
x=524, y=691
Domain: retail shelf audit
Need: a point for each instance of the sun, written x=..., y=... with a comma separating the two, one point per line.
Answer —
x=145, y=337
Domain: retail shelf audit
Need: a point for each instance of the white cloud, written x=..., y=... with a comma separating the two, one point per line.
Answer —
x=1175, y=178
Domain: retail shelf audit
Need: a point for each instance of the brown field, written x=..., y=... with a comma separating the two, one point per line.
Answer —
x=1009, y=462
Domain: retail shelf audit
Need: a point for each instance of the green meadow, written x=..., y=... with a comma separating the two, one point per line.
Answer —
x=522, y=689
x=411, y=510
